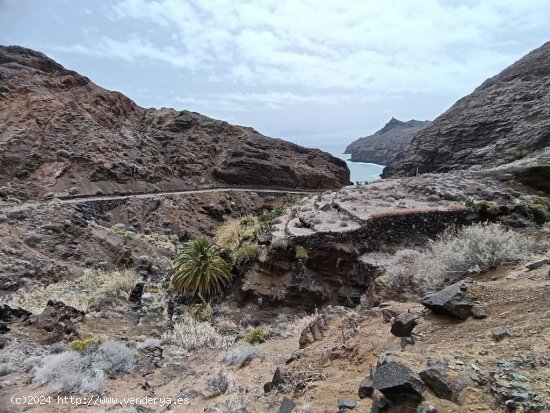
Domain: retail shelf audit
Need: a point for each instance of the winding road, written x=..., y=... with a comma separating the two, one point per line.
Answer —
x=78, y=199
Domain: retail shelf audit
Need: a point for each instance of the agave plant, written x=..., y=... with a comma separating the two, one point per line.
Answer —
x=201, y=268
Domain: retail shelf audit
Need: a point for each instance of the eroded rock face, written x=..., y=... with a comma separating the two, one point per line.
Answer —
x=387, y=145
x=65, y=135
x=505, y=118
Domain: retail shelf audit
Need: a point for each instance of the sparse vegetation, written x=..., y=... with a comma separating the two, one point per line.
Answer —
x=221, y=382
x=242, y=354
x=80, y=293
x=191, y=334
x=81, y=345
x=301, y=253
x=75, y=372
x=201, y=268
x=235, y=231
x=472, y=250
x=255, y=335
x=246, y=253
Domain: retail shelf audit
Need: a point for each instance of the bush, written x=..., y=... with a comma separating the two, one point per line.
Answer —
x=245, y=253
x=242, y=354
x=74, y=372
x=232, y=233
x=80, y=345
x=301, y=253
x=201, y=268
x=221, y=383
x=227, y=327
x=191, y=334
x=474, y=249
x=255, y=335
x=80, y=293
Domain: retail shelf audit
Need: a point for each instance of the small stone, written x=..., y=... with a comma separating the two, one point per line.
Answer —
x=366, y=388
x=536, y=264
x=499, y=333
x=287, y=406
x=346, y=404
x=479, y=312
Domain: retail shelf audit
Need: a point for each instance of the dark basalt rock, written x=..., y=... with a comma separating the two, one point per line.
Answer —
x=404, y=324
x=451, y=301
x=398, y=383
x=366, y=388
x=436, y=377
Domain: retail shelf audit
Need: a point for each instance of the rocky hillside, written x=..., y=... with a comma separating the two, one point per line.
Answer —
x=387, y=145
x=506, y=118
x=60, y=133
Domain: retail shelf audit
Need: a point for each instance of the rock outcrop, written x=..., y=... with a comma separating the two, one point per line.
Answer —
x=506, y=118
x=387, y=145
x=62, y=134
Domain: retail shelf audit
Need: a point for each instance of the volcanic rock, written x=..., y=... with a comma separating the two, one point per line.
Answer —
x=62, y=131
x=504, y=119
x=451, y=301
x=398, y=383
x=387, y=145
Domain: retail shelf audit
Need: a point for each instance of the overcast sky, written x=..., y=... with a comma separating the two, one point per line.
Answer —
x=316, y=72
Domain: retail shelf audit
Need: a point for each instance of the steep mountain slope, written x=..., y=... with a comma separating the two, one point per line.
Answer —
x=505, y=118
x=387, y=145
x=61, y=133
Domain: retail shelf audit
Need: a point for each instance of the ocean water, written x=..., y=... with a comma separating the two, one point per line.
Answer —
x=359, y=171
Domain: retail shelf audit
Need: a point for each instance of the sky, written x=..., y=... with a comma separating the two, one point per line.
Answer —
x=320, y=73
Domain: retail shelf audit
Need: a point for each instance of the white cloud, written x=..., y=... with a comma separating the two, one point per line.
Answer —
x=330, y=47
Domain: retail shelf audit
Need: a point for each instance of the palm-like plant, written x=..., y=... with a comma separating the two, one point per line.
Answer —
x=202, y=268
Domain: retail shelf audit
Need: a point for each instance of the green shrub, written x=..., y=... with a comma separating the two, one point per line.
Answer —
x=245, y=253
x=201, y=268
x=301, y=253
x=539, y=213
x=255, y=335
x=81, y=345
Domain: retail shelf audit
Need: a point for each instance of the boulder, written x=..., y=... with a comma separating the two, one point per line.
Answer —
x=275, y=383
x=313, y=332
x=436, y=378
x=398, y=383
x=451, y=301
x=404, y=324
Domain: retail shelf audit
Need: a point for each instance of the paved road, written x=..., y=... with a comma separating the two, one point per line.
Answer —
x=78, y=199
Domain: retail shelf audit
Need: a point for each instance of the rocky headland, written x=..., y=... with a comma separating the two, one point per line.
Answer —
x=386, y=145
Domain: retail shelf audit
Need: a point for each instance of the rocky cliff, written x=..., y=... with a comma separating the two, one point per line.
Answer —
x=387, y=145
x=61, y=133
x=506, y=118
